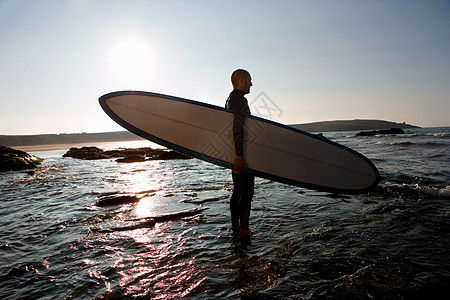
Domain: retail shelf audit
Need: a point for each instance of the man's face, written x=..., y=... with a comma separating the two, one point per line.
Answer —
x=246, y=84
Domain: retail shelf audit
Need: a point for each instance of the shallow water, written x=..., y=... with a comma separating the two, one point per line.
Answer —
x=392, y=243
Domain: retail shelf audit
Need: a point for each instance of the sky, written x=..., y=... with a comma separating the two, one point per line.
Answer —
x=310, y=60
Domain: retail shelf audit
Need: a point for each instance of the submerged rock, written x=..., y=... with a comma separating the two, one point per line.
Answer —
x=117, y=200
x=14, y=160
x=386, y=131
x=151, y=221
x=124, y=155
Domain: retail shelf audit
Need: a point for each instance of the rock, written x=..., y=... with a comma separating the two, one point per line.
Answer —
x=177, y=215
x=14, y=160
x=124, y=155
x=87, y=153
x=117, y=200
x=375, y=132
x=149, y=223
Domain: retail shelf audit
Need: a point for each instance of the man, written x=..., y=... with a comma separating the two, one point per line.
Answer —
x=244, y=183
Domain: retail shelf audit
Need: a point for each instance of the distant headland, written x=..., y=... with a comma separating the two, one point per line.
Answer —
x=67, y=138
x=351, y=125
x=92, y=138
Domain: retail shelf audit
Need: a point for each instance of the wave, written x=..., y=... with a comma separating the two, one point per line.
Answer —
x=440, y=193
x=426, y=134
x=412, y=191
x=441, y=136
x=406, y=143
x=409, y=143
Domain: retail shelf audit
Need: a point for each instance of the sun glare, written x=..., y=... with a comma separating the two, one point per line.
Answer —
x=145, y=207
x=132, y=62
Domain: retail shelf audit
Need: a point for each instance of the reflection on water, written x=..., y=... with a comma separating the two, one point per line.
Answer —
x=138, y=177
x=145, y=207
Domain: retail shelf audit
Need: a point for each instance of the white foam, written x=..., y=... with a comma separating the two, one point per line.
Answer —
x=445, y=192
x=439, y=193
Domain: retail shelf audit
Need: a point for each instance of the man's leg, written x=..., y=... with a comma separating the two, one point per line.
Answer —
x=248, y=186
x=234, y=203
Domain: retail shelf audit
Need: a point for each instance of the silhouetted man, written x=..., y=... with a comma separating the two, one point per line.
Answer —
x=244, y=183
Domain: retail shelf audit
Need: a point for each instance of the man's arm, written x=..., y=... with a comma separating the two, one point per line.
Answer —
x=238, y=132
x=238, y=136
x=239, y=163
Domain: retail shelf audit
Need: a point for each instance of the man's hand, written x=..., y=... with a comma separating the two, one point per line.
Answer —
x=239, y=163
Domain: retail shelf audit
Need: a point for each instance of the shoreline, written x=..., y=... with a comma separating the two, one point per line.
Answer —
x=67, y=146
x=136, y=140
x=145, y=143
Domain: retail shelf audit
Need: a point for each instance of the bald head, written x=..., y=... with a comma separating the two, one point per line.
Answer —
x=241, y=80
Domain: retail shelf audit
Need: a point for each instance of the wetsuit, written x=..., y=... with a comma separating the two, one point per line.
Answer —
x=244, y=183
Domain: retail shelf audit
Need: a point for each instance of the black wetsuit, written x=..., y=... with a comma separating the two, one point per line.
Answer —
x=244, y=183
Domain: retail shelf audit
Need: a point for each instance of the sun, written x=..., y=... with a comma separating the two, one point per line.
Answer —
x=132, y=62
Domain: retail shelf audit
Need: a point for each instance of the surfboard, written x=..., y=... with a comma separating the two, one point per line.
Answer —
x=272, y=150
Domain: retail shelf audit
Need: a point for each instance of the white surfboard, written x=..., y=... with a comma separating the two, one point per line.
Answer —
x=273, y=151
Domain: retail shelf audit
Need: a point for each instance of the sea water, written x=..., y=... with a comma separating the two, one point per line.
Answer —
x=56, y=242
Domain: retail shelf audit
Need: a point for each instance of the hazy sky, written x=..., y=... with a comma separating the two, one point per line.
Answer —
x=313, y=60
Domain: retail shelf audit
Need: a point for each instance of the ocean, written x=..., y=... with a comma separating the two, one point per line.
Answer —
x=57, y=242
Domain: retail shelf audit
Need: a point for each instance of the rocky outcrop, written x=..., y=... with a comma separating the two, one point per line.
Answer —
x=124, y=155
x=14, y=160
x=375, y=132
